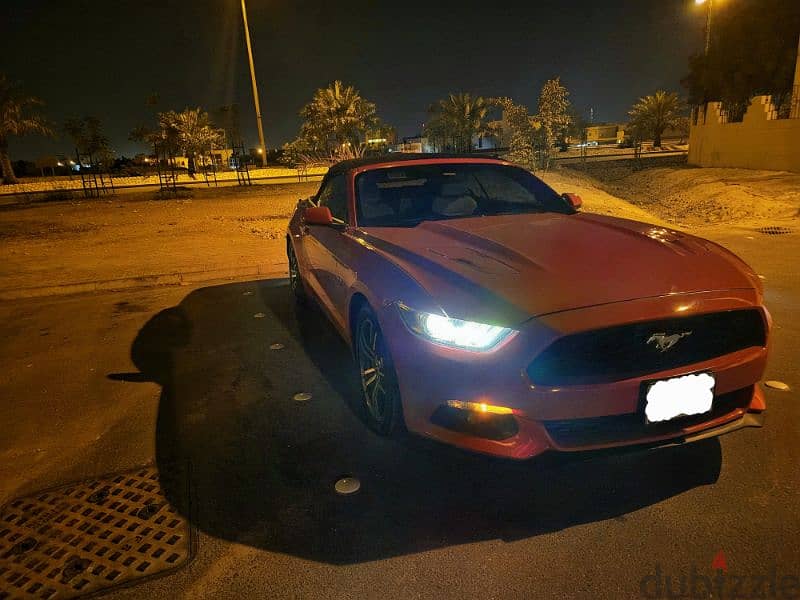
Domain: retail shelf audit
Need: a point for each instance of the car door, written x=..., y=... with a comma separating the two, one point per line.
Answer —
x=327, y=248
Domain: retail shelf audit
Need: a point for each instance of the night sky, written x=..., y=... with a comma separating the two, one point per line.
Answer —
x=104, y=58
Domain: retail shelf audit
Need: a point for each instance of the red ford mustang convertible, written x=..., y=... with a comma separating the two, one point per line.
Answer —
x=486, y=311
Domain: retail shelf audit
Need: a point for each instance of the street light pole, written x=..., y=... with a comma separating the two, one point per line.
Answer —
x=263, y=149
x=709, y=7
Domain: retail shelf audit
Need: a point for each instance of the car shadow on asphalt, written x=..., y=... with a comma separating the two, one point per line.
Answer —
x=263, y=465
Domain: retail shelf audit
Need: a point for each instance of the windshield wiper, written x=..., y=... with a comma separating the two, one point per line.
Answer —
x=514, y=211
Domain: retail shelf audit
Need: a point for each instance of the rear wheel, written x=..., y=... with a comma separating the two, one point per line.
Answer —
x=379, y=390
x=295, y=283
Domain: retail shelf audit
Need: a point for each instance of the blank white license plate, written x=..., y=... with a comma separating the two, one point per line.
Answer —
x=679, y=397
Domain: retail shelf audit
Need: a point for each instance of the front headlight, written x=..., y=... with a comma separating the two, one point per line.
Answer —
x=455, y=333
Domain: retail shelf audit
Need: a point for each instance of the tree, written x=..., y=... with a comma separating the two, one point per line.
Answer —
x=553, y=114
x=145, y=134
x=87, y=135
x=192, y=132
x=753, y=52
x=653, y=114
x=456, y=120
x=335, y=127
x=520, y=132
x=337, y=117
x=19, y=115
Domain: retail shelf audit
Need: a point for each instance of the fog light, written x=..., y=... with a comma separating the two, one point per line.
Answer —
x=476, y=419
x=480, y=407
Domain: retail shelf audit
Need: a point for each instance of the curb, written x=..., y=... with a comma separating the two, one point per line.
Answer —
x=144, y=281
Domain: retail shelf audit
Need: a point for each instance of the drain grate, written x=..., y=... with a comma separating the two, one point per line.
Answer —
x=90, y=536
x=774, y=230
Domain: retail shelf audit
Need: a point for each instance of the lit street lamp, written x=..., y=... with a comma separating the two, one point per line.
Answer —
x=255, y=87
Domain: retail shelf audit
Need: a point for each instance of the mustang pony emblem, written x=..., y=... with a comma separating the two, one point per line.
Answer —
x=664, y=342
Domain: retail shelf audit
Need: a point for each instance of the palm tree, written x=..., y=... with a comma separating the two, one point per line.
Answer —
x=654, y=114
x=456, y=120
x=337, y=117
x=18, y=116
x=87, y=134
x=192, y=131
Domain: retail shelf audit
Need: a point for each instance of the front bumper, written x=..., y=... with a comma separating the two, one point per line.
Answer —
x=570, y=418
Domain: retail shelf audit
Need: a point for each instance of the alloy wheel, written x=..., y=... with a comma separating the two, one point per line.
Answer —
x=373, y=369
x=294, y=276
x=293, y=270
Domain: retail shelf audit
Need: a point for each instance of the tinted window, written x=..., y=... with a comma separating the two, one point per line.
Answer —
x=334, y=196
x=404, y=196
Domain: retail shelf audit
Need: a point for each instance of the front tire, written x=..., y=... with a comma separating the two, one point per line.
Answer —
x=295, y=282
x=380, y=393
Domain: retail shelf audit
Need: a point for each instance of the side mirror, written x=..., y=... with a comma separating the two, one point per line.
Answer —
x=573, y=201
x=317, y=215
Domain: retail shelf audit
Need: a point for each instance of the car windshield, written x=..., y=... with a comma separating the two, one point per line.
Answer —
x=404, y=196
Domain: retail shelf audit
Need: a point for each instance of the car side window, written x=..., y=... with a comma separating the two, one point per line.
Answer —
x=334, y=196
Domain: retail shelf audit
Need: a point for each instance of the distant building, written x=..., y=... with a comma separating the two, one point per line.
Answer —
x=415, y=145
x=381, y=139
x=51, y=165
x=485, y=142
x=605, y=133
x=221, y=159
x=422, y=145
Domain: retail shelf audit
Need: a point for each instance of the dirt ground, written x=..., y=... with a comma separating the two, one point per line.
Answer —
x=700, y=197
x=595, y=199
x=136, y=235
x=233, y=231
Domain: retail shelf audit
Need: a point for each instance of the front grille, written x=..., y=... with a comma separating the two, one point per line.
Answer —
x=626, y=351
x=575, y=433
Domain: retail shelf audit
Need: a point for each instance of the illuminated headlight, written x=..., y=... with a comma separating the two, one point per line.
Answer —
x=456, y=333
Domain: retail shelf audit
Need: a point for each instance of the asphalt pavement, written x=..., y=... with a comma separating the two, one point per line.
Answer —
x=185, y=378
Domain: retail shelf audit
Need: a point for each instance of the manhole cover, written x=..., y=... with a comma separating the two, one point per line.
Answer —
x=91, y=536
x=777, y=385
x=347, y=485
x=774, y=230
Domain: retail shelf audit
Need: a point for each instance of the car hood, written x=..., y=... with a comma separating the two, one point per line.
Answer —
x=512, y=267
